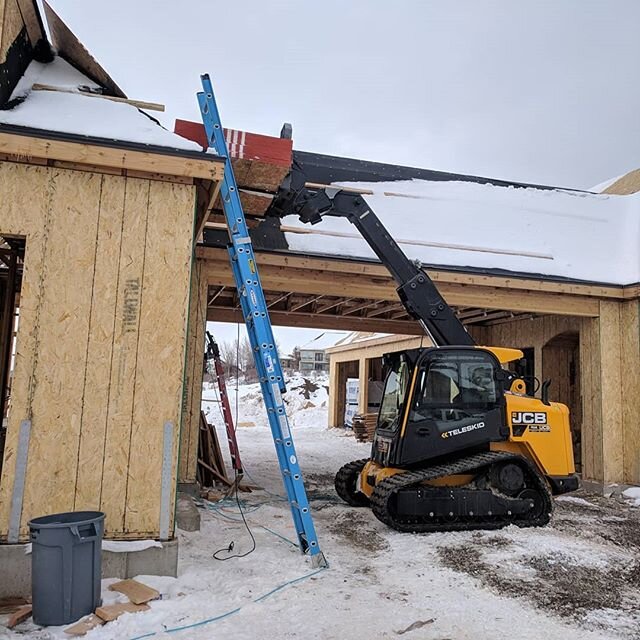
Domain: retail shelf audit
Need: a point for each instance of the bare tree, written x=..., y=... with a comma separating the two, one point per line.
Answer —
x=295, y=357
x=230, y=357
x=247, y=361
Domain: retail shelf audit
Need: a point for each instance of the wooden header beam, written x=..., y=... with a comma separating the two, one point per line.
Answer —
x=26, y=148
x=337, y=278
x=376, y=269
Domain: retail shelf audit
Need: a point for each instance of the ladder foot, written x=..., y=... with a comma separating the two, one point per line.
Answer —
x=318, y=561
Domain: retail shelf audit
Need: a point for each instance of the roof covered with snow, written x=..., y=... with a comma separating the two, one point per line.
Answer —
x=69, y=111
x=558, y=233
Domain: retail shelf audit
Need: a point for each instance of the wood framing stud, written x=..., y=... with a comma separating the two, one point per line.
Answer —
x=216, y=295
x=139, y=104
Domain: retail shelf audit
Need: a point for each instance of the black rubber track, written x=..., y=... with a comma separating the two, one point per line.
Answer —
x=345, y=483
x=381, y=500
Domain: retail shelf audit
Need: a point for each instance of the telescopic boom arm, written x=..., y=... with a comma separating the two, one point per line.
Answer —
x=418, y=294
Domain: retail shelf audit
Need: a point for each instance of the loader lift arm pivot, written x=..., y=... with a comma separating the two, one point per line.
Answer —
x=416, y=291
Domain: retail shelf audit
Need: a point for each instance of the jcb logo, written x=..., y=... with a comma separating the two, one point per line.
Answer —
x=528, y=417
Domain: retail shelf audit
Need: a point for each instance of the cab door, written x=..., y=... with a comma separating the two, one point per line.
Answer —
x=457, y=403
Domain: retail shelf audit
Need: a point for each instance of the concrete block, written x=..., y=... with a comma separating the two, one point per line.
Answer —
x=154, y=561
x=187, y=514
x=190, y=488
x=114, y=565
x=15, y=569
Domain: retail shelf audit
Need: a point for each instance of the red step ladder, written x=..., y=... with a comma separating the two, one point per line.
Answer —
x=213, y=353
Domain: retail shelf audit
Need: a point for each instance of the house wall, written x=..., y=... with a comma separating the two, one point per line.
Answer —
x=98, y=381
x=309, y=361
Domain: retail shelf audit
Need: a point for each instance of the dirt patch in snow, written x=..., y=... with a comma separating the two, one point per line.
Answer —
x=554, y=581
x=495, y=541
x=559, y=584
x=355, y=528
x=608, y=521
x=306, y=388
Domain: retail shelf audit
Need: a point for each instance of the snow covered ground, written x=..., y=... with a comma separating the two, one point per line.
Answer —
x=578, y=578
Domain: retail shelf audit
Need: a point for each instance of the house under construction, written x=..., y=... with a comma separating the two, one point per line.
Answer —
x=113, y=258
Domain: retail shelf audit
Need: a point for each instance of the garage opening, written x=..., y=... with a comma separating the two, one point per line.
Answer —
x=11, y=268
x=561, y=364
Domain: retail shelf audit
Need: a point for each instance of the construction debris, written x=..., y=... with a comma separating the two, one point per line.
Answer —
x=137, y=592
x=211, y=467
x=139, y=595
x=19, y=616
x=84, y=625
x=10, y=605
x=110, y=612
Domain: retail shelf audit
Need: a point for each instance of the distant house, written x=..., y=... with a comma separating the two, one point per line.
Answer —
x=287, y=361
x=313, y=356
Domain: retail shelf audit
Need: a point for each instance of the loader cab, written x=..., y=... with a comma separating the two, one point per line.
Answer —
x=437, y=401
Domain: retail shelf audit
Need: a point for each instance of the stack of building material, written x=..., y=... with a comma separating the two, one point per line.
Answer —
x=211, y=467
x=364, y=426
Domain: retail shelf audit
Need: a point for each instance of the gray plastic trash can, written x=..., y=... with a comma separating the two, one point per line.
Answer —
x=66, y=566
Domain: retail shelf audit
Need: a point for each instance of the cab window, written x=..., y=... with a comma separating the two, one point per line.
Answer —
x=452, y=385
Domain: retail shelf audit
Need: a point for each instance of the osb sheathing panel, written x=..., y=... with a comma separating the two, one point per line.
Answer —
x=611, y=392
x=628, y=184
x=11, y=26
x=125, y=353
x=161, y=349
x=60, y=362
x=100, y=346
x=630, y=336
x=609, y=439
x=100, y=350
x=193, y=388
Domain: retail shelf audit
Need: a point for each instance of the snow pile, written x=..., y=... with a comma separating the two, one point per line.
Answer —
x=570, y=234
x=80, y=114
x=632, y=494
x=306, y=400
x=119, y=546
x=575, y=500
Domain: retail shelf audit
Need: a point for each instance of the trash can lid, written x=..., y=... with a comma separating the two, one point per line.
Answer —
x=57, y=520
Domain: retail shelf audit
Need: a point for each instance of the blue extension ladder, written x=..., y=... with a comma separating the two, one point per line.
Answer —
x=256, y=316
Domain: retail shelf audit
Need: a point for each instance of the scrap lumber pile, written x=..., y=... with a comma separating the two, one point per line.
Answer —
x=18, y=609
x=364, y=426
x=139, y=595
x=211, y=467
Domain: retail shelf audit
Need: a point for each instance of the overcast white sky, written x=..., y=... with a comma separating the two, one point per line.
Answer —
x=543, y=91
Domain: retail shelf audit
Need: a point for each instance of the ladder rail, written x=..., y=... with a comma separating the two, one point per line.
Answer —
x=259, y=330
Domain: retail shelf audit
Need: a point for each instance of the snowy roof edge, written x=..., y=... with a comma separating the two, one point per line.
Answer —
x=114, y=143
